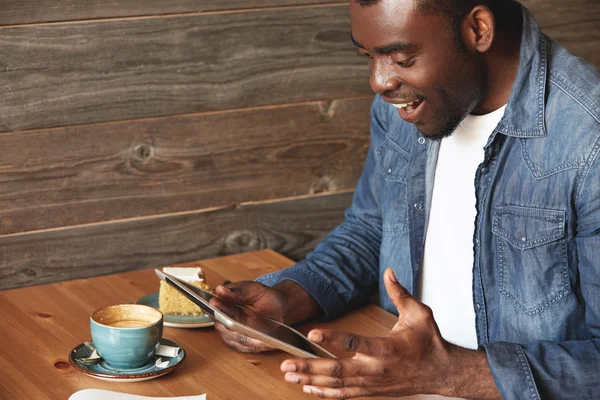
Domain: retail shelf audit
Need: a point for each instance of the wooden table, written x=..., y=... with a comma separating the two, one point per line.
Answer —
x=40, y=325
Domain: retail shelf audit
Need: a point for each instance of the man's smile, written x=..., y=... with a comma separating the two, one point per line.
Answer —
x=409, y=109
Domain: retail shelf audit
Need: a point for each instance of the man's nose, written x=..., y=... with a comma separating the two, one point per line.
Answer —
x=383, y=77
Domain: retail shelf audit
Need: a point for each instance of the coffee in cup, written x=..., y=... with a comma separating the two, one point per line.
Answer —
x=126, y=336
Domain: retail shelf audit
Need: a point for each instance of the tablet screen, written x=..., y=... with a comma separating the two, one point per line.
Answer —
x=247, y=317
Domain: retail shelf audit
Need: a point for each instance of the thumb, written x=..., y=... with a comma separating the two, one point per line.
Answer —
x=244, y=292
x=401, y=298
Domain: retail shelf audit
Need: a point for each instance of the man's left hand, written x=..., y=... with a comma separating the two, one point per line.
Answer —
x=410, y=359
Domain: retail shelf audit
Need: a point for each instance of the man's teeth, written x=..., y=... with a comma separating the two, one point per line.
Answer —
x=408, y=107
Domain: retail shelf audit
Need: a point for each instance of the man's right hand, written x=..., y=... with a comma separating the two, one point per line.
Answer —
x=253, y=296
x=287, y=302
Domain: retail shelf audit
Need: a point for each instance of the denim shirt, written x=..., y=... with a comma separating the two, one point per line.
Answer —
x=536, y=271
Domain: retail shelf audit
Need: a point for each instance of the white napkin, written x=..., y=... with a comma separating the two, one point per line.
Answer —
x=93, y=356
x=97, y=394
x=167, y=351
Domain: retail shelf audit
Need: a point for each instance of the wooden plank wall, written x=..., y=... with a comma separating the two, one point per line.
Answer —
x=138, y=134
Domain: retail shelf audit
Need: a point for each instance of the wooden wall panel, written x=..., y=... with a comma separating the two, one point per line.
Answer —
x=291, y=227
x=583, y=42
x=78, y=175
x=575, y=24
x=79, y=73
x=35, y=11
x=219, y=115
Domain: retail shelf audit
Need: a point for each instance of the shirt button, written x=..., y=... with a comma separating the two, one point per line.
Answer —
x=476, y=241
x=523, y=238
x=478, y=307
x=418, y=206
x=421, y=140
x=484, y=170
x=389, y=171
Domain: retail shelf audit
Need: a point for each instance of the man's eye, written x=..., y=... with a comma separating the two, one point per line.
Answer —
x=406, y=63
x=368, y=55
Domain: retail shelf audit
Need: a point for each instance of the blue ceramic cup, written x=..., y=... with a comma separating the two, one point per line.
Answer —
x=126, y=335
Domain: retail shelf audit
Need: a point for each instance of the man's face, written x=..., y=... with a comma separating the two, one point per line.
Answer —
x=417, y=59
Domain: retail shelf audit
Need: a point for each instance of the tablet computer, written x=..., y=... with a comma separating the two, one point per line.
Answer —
x=250, y=323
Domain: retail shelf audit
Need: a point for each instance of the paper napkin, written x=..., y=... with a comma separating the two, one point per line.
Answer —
x=97, y=394
x=167, y=351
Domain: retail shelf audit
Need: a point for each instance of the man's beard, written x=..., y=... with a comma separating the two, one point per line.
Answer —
x=449, y=125
x=451, y=118
x=464, y=103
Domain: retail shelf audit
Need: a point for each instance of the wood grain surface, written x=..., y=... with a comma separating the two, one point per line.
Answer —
x=292, y=227
x=35, y=11
x=575, y=24
x=80, y=73
x=40, y=326
x=103, y=172
x=217, y=105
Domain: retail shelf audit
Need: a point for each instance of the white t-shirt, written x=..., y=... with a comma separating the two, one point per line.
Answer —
x=447, y=275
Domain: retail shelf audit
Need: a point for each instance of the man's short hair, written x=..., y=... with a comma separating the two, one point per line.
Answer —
x=454, y=9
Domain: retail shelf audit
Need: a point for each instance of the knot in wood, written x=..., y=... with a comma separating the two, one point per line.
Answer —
x=324, y=184
x=241, y=241
x=143, y=152
x=328, y=107
x=61, y=365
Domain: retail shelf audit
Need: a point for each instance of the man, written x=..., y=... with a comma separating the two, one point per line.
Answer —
x=496, y=283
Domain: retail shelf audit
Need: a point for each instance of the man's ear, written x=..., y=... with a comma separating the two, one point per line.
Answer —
x=478, y=29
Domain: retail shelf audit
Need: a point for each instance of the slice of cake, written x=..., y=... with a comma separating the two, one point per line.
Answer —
x=170, y=301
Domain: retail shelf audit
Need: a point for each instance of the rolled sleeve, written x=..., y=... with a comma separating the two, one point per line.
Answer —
x=320, y=290
x=511, y=371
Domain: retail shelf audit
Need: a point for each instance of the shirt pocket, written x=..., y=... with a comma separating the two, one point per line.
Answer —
x=393, y=163
x=532, y=264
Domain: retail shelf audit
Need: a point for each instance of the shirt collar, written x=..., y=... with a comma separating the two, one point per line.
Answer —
x=524, y=115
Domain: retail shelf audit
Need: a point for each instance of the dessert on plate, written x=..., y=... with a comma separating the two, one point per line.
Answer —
x=170, y=301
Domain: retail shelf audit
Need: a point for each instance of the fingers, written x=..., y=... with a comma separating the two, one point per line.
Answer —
x=324, y=381
x=229, y=309
x=336, y=378
x=412, y=313
x=410, y=309
x=339, y=379
x=345, y=393
x=397, y=293
x=346, y=341
x=239, y=341
x=226, y=307
x=233, y=292
x=333, y=368
x=245, y=292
